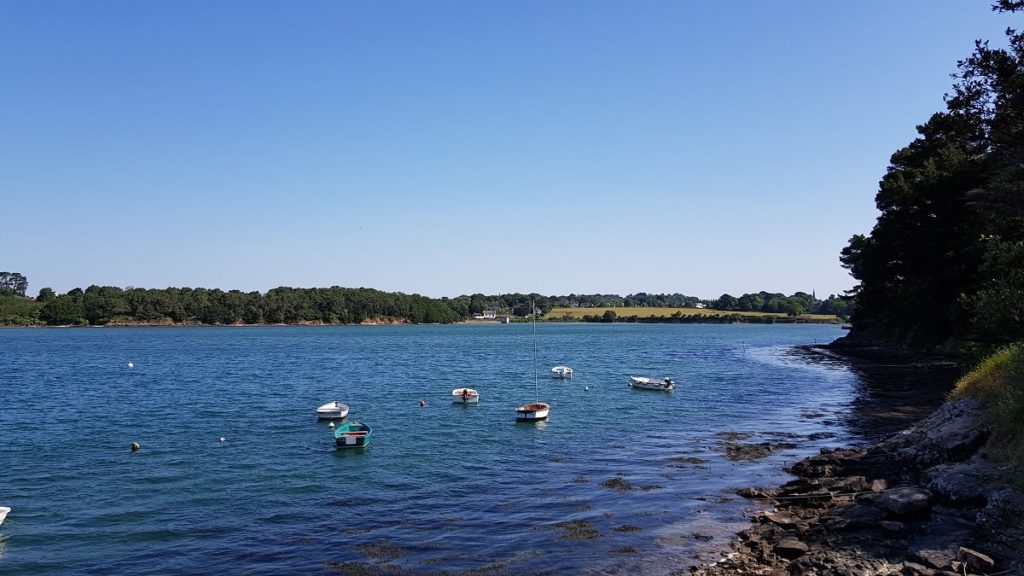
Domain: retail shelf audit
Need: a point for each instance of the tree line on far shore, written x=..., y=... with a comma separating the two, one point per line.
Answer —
x=106, y=305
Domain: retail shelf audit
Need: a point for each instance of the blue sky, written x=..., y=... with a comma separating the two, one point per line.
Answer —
x=448, y=148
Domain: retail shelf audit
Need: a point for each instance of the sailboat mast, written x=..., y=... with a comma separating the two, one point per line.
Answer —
x=536, y=386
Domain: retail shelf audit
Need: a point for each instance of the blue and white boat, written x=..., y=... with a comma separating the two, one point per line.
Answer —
x=352, y=435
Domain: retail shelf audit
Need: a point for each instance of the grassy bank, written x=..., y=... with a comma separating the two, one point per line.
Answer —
x=998, y=384
x=576, y=314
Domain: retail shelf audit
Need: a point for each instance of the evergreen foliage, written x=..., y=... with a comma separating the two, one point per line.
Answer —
x=942, y=264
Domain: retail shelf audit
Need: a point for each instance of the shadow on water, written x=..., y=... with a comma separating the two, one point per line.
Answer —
x=888, y=396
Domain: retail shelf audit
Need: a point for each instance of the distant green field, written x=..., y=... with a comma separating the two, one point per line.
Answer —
x=578, y=313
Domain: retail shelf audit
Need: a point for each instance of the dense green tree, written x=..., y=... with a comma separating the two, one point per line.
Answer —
x=46, y=295
x=13, y=283
x=63, y=311
x=926, y=277
x=726, y=302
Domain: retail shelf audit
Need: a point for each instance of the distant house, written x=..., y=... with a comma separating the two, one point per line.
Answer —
x=699, y=305
x=487, y=315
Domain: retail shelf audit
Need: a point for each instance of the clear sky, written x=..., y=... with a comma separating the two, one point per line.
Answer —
x=453, y=147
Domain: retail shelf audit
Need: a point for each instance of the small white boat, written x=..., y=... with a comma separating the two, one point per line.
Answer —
x=333, y=410
x=645, y=383
x=3, y=513
x=532, y=412
x=465, y=396
x=563, y=372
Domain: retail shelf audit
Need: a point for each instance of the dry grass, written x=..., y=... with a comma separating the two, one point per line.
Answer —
x=998, y=384
x=623, y=312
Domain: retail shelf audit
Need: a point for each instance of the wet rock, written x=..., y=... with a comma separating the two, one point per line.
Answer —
x=738, y=451
x=841, y=563
x=964, y=483
x=952, y=433
x=938, y=557
x=913, y=505
x=756, y=493
x=1002, y=527
x=861, y=517
x=907, y=501
x=975, y=560
x=577, y=530
x=686, y=462
x=790, y=548
x=383, y=550
x=891, y=527
x=915, y=569
x=618, y=484
x=781, y=519
x=846, y=485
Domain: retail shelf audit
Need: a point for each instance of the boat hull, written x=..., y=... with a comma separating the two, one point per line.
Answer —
x=332, y=411
x=3, y=513
x=644, y=383
x=532, y=412
x=352, y=435
x=465, y=396
x=561, y=373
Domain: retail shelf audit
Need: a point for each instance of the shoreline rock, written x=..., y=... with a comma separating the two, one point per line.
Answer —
x=924, y=501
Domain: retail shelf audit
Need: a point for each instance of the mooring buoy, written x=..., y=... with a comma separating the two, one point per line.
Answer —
x=135, y=446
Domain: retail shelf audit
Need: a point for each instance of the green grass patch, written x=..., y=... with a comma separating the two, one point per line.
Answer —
x=998, y=384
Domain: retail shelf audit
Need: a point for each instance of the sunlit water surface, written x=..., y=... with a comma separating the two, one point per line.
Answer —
x=617, y=481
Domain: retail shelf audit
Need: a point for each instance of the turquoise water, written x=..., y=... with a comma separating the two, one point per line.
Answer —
x=641, y=477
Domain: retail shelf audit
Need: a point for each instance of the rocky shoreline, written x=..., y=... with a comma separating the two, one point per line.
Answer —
x=922, y=502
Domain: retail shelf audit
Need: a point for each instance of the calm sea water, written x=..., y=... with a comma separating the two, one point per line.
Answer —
x=618, y=481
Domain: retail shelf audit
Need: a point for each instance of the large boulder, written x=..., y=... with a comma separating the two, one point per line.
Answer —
x=963, y=483
x=952, y=433
x=907, y=501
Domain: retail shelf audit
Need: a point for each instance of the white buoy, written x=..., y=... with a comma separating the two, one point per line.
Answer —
x=586, y=388
x=223, y=439
x=135, y=446
x=331, y=425
x=130, y=365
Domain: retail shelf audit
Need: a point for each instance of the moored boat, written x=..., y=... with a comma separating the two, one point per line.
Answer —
x=352, y=435
x=465, y=396
x=563, y=372
x=332, y=410
x=532, y=412
x=645, y=383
